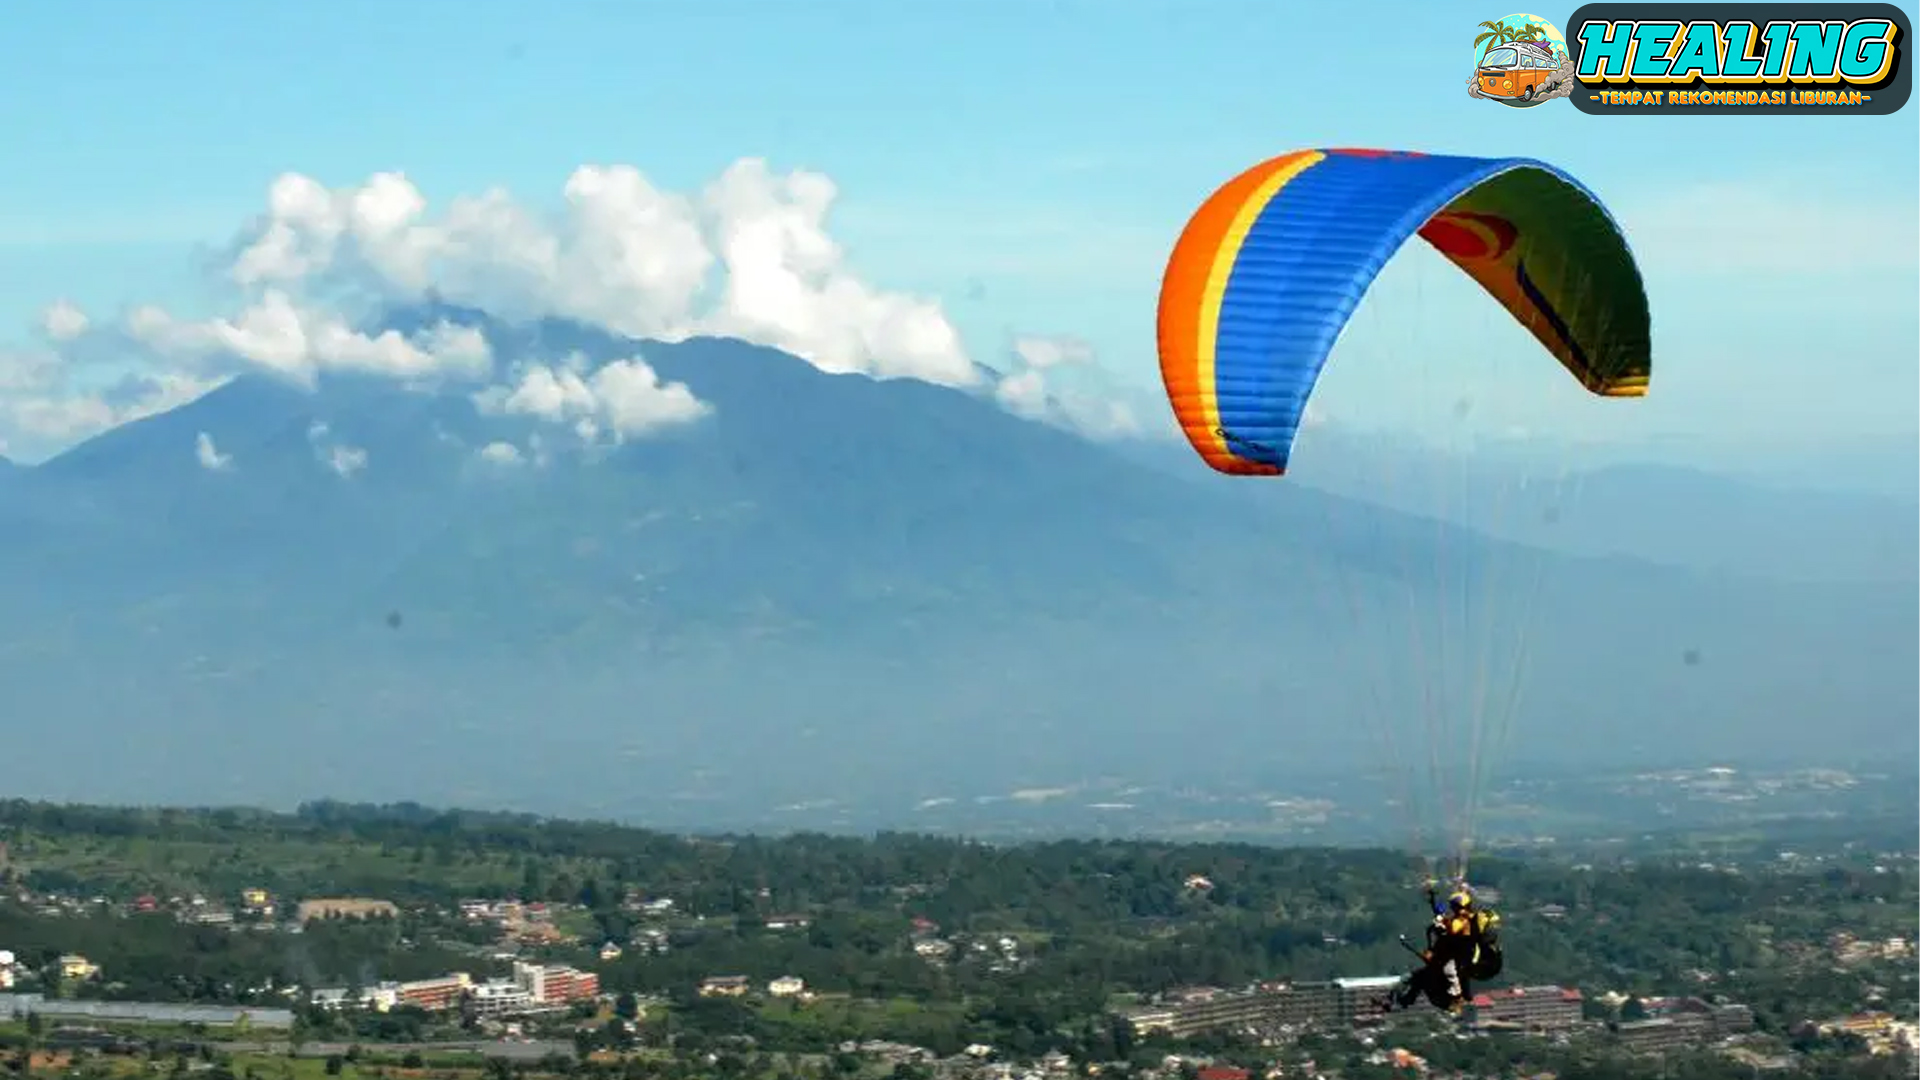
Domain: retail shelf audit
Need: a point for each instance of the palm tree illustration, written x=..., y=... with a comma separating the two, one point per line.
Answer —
x=1497, y=33
x=1494, y=34
x=1533, y=34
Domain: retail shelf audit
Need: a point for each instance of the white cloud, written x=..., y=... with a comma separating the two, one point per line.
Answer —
x=60, y=419
x=624, y=397
x=622, y=255
x=501, y=453
x=1024, y=393
x=48, y=401
x=342, y=458
x=62, y=321
x=209, y=455
x=23, y=370
x=786, y=285
x=278, y=334
x=345, y=460
x=551, y=394
x=1753, y=228
x=1044, y=352
x=634, y=400
x=1056, y=380
x=1103, y=418
x=750, y=255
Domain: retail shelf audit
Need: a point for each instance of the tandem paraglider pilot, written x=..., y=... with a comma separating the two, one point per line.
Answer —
x=1463, y=946
x=1259, y=287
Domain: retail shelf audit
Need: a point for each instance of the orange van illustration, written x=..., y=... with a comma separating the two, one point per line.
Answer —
x=1518, y=69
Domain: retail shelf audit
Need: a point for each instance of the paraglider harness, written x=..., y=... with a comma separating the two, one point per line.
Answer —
x=1452, y=960
x=1480, y=944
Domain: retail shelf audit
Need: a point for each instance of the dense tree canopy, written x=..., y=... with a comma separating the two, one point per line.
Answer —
x=1043, y=938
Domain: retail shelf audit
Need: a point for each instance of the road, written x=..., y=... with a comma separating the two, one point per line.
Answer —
x=500, y=1048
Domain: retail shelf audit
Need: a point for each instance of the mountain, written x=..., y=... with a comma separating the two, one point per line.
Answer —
x=830, y=590
x=1703, y=520
x=1659, y=513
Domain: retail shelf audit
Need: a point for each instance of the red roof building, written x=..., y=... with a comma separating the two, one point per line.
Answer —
x=1539, y=1008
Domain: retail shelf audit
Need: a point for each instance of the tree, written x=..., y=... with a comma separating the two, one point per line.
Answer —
x=626, y=1006
x=334, y=1064
x=1494, y=35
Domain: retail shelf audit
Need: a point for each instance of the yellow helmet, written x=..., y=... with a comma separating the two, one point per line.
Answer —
x=1460, y=901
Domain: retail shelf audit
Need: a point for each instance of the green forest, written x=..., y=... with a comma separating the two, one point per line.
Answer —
x=1090, y=925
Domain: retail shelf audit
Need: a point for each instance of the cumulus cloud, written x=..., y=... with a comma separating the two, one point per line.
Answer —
x=341, y=458
x=634, y=400
x=751, y=255
x=625, y=398
x=62, y=321
x=549, y=393
x=787, y=285
x=48, y=400
x=501, y=453
x=1056, y=380
x=278, y=334
x=1045, y=352
x=1104, y=418
x=622, y=255
x=1024, y=393
x=209, y=455
x=345, y=460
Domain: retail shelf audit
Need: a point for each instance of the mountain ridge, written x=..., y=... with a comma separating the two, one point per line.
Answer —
x=829, y=582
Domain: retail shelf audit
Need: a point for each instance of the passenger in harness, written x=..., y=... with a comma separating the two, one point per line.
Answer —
x=1462, y=946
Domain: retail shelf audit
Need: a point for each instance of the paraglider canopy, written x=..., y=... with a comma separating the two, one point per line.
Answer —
x=1263, y=281
x=1271, y=267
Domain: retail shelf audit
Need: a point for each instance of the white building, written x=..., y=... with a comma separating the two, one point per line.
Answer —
x=531, y=978
x=500, y=997
x=379, y=998
x=786, y=986
x=555, y=984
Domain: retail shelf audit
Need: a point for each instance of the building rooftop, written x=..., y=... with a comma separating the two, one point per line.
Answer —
x=1517, y=992
x=1370, y=982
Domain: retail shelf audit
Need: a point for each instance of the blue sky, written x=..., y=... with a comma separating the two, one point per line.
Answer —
x=1027, y=162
